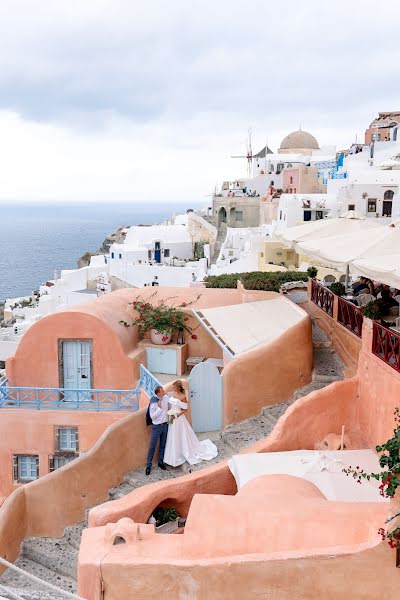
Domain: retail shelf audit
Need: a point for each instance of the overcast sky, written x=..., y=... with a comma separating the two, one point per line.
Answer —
x=128, y=100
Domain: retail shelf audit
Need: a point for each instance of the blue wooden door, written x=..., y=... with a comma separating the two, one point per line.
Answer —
x=161, y=360
x=205, y=384
x=77, y=369
x=157, y=252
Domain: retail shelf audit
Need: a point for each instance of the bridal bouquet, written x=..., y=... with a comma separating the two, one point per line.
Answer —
x=172, y=414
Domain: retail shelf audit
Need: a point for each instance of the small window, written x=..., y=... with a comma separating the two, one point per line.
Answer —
x=149, y=254
x=291, y=180
x=280, y=215
x=120, y=256
x=319, y=215
x=371, y=205
x=112, y=254
x=66, y=439
x=351, y=207
x=307, y=215
x=166, y=252
x=239, y=215
x=56, y=462
x=25, y=467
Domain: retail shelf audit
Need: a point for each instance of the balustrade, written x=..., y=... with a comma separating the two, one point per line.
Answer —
x=322, y=297
x=350, y=316
x=386, y=345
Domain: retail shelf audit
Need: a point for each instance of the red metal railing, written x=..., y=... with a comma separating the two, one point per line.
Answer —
x=322, y=297
x=350, y=316
x=386, y=345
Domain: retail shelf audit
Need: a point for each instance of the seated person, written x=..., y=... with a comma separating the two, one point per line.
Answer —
x=386, y=302
x=361, y=287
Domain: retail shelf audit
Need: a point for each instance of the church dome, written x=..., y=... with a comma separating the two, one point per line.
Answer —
x=299, y=140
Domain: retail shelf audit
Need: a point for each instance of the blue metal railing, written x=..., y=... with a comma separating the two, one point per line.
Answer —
x=3, y=385
x=68, y=399
x=147, y=381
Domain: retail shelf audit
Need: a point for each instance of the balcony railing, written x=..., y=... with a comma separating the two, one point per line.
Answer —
x=43, y=398
x=386, y=345
x=322, y=297
x=350, y=316
x=68, y=399
x=147, y=381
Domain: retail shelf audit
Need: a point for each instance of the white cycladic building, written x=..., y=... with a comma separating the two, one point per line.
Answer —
x=153, y=244
x=239, y=251
x=294, y=209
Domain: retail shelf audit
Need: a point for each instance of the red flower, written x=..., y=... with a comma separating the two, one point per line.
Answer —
x=194, y=336
x=186, y=319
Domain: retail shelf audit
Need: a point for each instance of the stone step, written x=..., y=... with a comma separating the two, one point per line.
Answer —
x=312, y=387
x=54, y=554
x=319, y=345
x=12, y=593
x=73, y=534
x=15, y=580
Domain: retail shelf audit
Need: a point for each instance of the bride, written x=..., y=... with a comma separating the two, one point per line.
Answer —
x=182, y=443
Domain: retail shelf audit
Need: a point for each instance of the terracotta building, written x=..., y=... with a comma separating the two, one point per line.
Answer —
x=383, y=128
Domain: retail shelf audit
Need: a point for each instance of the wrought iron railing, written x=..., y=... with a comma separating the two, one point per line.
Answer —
x=386, y=345
x=69, y=399
x=322, y=297
x=147, y=381
x=350, y=316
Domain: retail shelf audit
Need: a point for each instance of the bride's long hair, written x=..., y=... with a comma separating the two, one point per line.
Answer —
x=179, y=386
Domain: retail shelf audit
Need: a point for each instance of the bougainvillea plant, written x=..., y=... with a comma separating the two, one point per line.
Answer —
x=162, y=317
x=389, y=478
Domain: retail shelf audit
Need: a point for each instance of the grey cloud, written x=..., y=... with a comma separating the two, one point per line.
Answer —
x=178, y=59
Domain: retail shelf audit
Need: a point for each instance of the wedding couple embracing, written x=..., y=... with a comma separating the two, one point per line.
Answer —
x=170, y=428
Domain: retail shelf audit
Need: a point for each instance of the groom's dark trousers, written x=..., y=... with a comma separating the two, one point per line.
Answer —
x=158, y=432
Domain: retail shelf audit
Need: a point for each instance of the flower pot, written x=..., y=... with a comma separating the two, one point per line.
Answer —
x=160, y=338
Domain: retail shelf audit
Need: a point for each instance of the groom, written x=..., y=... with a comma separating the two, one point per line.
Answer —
x=159, y=429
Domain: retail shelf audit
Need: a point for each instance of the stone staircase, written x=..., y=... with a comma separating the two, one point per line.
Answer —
x=217, y=248
x=55, y=560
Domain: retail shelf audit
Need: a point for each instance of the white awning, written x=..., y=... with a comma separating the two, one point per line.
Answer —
x=341, y=250
x=241, y=327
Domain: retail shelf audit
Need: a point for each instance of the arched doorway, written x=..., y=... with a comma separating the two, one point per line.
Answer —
x=221, y=216
x=387, y=203
x=232, y=217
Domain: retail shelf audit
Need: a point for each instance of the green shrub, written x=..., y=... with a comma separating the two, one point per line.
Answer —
x=312, y=272
x=337, y=288
x=372, y=310
x=256, y=280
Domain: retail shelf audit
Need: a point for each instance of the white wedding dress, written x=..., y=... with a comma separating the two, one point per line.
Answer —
x=182, y=443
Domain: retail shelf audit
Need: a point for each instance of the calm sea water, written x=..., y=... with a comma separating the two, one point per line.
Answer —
x=37, y=239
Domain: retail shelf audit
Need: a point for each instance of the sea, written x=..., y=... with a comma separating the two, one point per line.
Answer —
x=37, y=239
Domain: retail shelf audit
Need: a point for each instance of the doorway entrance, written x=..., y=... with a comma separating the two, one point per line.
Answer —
x=76, y=372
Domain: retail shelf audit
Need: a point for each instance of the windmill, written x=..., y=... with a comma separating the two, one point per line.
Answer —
x=249, y=154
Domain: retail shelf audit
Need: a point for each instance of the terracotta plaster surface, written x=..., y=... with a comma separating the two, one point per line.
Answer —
x=65, y=494
x=352, y=576
x=378, y=393
x=263, y=511
x=268, y=374
x=307, y=420
x=33, y=432
x=116, y=354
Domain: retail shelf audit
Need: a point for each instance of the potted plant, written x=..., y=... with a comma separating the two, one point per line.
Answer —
x=312, y=272
x=161, y=320
x=372, y=310
x=337, y=288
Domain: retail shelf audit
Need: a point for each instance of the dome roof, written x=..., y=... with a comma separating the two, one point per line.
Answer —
x=299, y=139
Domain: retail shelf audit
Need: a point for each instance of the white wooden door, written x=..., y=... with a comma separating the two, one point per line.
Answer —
x=205, y=384
x=76, y=368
